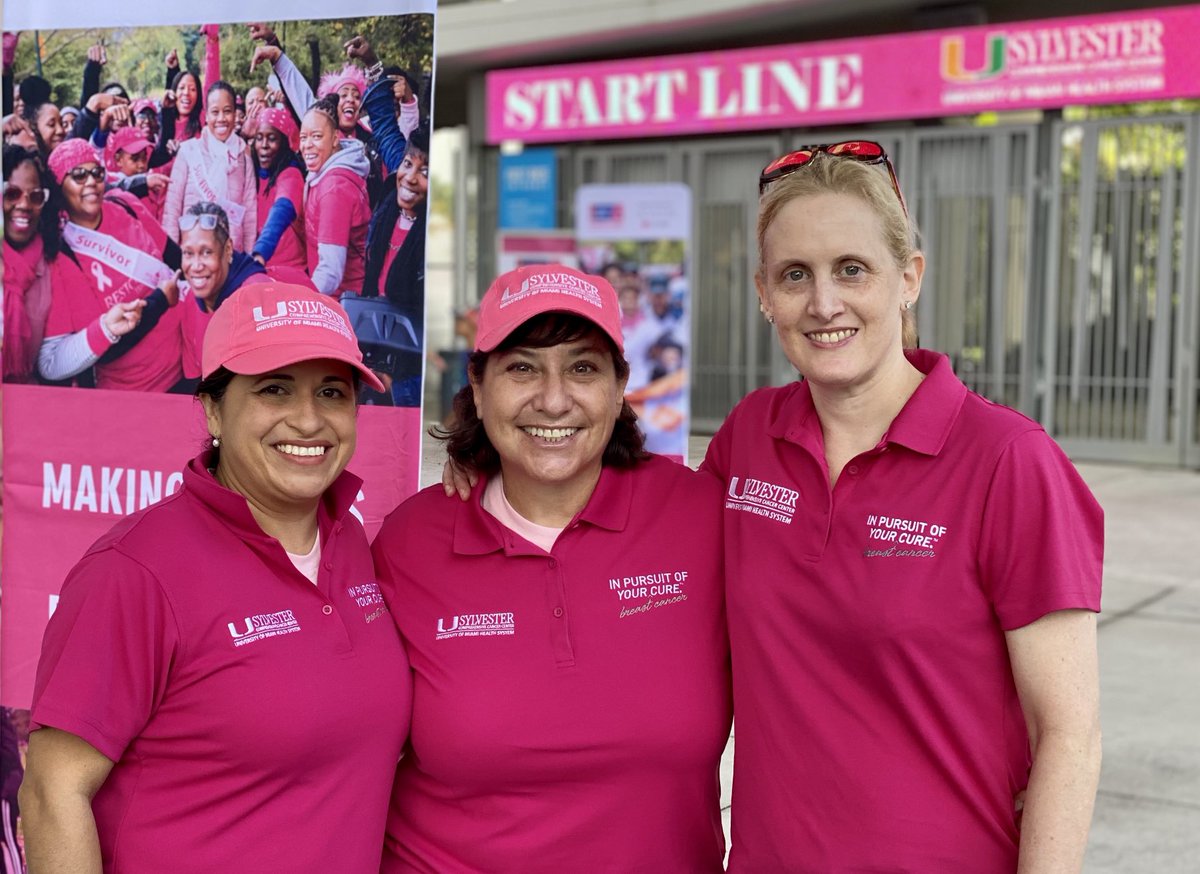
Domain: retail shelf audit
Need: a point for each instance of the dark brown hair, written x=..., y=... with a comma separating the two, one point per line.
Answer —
x=467, y=443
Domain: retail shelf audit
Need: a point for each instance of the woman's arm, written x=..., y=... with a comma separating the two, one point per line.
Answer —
x=62, y=775
x=249, y=200
x=212, y=54
x=1055, y=668
x=380, y=107
x=63, y=356
x=173, y=204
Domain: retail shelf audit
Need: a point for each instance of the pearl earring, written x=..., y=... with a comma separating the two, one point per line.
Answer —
x=216, y=441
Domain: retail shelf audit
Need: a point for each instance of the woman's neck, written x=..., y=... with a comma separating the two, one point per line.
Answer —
x=295, y=529
x=91, y=222
x=552, y=505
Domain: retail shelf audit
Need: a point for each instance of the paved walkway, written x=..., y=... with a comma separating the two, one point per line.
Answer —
x=1148, y=811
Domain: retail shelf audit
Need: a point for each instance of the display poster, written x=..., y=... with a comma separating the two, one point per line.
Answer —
x=638, y=237
x=517, y=248
x=185, y=134
x=529, y=189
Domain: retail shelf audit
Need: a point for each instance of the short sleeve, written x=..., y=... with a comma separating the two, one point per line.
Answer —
x=716, y=458
x=1042, y=537
x=107, y=653
x=336, y=213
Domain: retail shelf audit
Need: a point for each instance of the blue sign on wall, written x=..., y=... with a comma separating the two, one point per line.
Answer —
x=529, y=190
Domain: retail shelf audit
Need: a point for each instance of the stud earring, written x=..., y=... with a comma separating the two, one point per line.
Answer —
x=908, y=304
x=216, y=441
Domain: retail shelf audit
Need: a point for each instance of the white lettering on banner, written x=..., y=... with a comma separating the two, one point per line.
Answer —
x=1121, y=40
x=762, y=499
x=476, y=625
x=754, y=89
x=122, y=490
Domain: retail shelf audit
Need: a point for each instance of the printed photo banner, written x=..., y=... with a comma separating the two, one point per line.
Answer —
x=1115, y=58
x=638, y=237
x=78, y=459
x=76, y=462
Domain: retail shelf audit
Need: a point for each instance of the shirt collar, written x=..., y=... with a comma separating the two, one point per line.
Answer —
x=477, y=532
x=231, y=507
x=922, y=425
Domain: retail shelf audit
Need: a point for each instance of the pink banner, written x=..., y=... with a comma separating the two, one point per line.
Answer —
x=77, y=460
x=1116, y=58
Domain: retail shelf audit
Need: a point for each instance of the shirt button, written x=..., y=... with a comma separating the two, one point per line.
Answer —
x=852, y=469
x=328, y=565
x=558, y=612
x=553, y=564
x=326, y=609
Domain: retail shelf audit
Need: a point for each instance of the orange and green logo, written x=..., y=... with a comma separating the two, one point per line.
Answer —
x=954, y=67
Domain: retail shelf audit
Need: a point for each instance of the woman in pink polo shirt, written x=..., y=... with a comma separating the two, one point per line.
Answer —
x=113, y=286
x=565, y=624
x=221, y=687
x=913, y=571
x=217, y=167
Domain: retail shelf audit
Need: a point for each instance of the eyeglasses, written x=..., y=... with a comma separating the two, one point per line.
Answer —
x=863, y=151
x=208, y=221
x=14, y=193
x=79, y=175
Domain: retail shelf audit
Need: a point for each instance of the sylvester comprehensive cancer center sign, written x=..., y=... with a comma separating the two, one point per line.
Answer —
x=1122, y=57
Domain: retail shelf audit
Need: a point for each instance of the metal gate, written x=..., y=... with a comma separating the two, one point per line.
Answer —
x=1121, y=290
x=1062, y=278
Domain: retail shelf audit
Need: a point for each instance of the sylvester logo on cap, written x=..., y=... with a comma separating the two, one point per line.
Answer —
x=554, y=283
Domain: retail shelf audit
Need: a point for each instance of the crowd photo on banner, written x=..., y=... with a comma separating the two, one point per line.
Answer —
x=152, y=176
x=152, y=173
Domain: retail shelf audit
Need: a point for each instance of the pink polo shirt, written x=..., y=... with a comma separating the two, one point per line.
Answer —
x=255, y=719
x=85, y=288
x=878, y=726
x=570, y=707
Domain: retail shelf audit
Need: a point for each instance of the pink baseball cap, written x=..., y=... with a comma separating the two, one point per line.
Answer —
x=129, y=140
x=519, y=295
x=267, y=325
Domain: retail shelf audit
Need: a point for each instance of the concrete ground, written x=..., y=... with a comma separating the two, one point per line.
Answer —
x=1148, y=810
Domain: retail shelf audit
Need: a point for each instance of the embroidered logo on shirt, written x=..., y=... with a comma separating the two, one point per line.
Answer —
x=893, y=537
x=641, y=593
x=476, y=625
x=761, y=498
x=262, y=626
x=370, y=599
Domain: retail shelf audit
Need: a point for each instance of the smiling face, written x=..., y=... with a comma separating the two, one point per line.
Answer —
x=205, y=262
x=285, y=435
x=549, y=413
x=267, y=143
x=318, y=140
x=835, y=291
x=49, y=126
x=147, y=123
x=412, y=181
x=220, y=114
x=349, y=103
x=186, y=93
x=84, y=193
x=21, y=214
x=132, y=164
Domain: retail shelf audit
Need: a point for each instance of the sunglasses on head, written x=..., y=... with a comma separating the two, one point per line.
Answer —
x=207, y=221
x=80, y=175
x=13, y=195
x=863, y=151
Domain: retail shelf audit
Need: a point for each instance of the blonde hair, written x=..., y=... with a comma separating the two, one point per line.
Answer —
x=825, y=174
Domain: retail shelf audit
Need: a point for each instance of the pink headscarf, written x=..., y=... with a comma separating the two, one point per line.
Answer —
x=282, y=121
x=70, y=154
x=350, y=74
